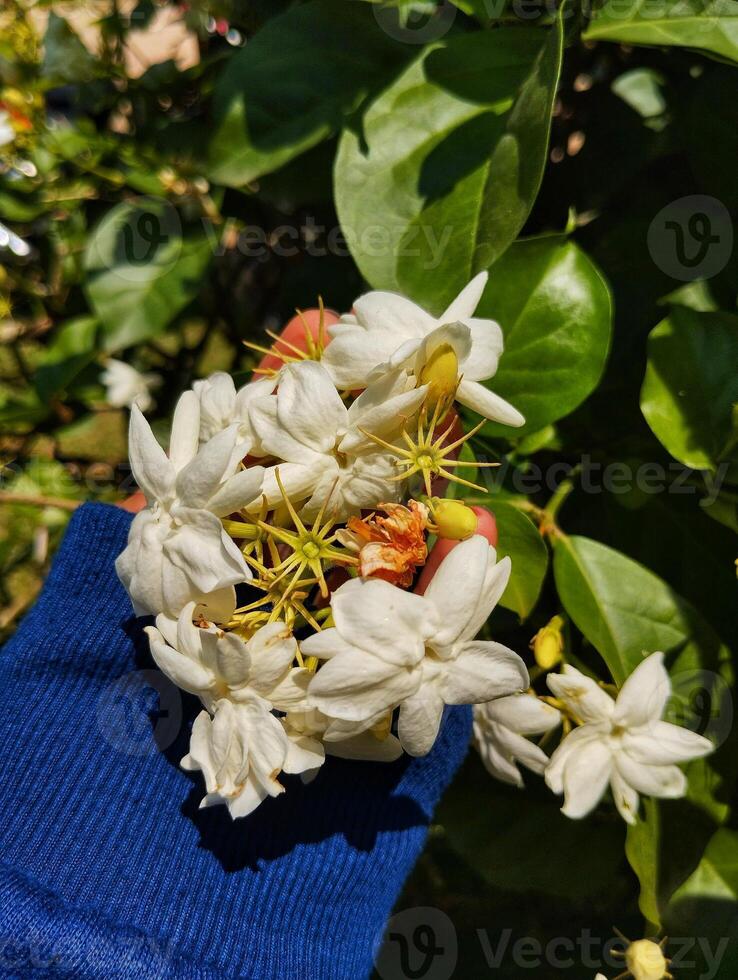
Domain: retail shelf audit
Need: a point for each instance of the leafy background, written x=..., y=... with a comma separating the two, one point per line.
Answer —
x=163, y=200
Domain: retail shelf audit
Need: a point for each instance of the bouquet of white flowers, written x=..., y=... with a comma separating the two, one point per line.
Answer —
x=282, y=553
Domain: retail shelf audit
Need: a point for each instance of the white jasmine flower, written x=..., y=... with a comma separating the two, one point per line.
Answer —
x=386, y=331
x=7, y=133
x=316, y=734
x=457, y=668
x=204, y=660
x=500, y=728
x=623, y=742
x=390, y=647
x=126, y=387
x=241, y=751
x=307, y=425
x=221, y=405
x=177, y=549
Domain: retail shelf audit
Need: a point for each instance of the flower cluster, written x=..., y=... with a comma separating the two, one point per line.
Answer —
x=280, y=552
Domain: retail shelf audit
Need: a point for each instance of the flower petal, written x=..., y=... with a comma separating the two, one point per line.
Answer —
x=668, y=782
x=233, y=660
x=419, y=721
x=497, y=761
x=299, y=481
x=273, y=649
x=386, y=621
x=272, y=437
x=366, y=747
x=185, y=434
x=180, y=669
x=199, y=480
x=467, y=301
x=660, y=743
x=522, y=713
x=380, y=413
x=207, y=558
x=626, y=798
x=487, y=344
x=586, y=776
x=455, y=590
x=151, y=469
x=303, y=754
x=583, y=696
x=455, y=335
x=573, y=742
x=355, y=686
x=481, y=671
x=486, y=403
x=644, y=694
x=389, y=315
x=308, y=406
x=238, y=492
x=496, y=577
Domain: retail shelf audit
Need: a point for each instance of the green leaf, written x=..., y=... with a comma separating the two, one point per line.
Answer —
x=142, y=270
x=449, y=161
x=625, y=611
x=294, y=84
x=99, y=436
x=723, y=509
x=70, y=351
x=521, y=540
x=706, y=904
x=486, y=822
x=555, y=312
x=691, y=385
x=708, y=25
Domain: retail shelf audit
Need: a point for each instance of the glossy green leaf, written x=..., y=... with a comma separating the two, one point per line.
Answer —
x=625, y=611
x=142, y=270
x=70, y=351
x=294, y=84
x=487, y=823
x=521, y=540
x=691, y=385
x=708, y=25
x=555, y=312
x=445, y=169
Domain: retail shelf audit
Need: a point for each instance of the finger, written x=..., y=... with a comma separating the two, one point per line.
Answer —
x=294, y=335
x=134, y=503
x=486, y=526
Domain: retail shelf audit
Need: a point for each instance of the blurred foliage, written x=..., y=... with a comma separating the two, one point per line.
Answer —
x=175, y=178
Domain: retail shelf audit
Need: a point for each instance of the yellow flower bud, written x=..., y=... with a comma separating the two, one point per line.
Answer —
x=646, y=961
x=441, y=373
x=453, y=519
x=548, y=643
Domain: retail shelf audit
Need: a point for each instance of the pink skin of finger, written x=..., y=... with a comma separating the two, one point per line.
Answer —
x=486, y=526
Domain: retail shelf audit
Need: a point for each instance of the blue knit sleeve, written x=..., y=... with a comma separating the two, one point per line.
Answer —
x=108, y=869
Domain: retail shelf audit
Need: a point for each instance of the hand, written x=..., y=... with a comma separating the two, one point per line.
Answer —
x=108, y=867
